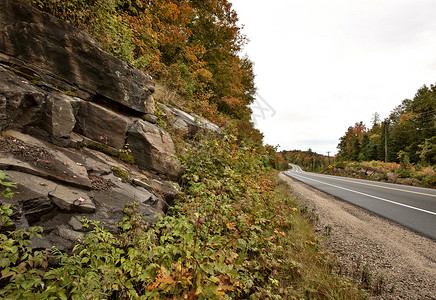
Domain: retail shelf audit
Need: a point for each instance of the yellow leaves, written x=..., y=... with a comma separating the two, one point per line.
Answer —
x=166, y=280
x=162, y=280
x=203, y=75
x=276, y=231
x=405, y=117
x=231, y=226
x=311, y=243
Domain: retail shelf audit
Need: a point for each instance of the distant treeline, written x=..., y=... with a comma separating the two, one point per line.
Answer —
x=407, y=135
x=308, y=160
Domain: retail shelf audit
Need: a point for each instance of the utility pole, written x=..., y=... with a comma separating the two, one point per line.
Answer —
x=386, y=139
x=328, y=154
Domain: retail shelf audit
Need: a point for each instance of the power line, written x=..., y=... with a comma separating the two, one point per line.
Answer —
x=424, y=112
x=417, y=129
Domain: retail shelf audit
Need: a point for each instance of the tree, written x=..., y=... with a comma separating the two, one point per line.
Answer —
x=413, y=122
x=428, y=152
x=410, y=126
x=350, y=144
x=375, y=119
x=190, y=46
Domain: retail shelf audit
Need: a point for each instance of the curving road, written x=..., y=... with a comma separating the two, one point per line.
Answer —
x=412, y=207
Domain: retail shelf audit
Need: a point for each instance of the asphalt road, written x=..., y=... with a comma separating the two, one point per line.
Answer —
x=412, y=207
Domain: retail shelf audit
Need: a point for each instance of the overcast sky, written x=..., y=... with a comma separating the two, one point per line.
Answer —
x=323, y=65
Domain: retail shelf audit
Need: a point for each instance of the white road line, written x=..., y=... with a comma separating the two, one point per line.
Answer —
x=382, y=185
x=382, y=199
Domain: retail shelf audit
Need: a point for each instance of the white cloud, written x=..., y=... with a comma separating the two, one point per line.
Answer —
x=324, y=65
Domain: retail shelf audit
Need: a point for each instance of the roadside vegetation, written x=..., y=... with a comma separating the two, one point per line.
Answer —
x=408, y=174
x=234, y=233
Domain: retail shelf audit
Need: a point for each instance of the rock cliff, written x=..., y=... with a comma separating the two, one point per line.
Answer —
x=73, y=119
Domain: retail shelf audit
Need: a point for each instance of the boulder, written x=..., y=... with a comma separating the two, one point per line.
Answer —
x=100, y=164
x=206, y=124
x=153, y=148
x=76, y=223
x=167, y=113
x=50, y=50
x=133, y=192
x=31, y=195
x=136, y=193
x=409, y=181
x=111, y=205
x=142, y=183
x=97, y=122
x=59, y=119
x=150, y=118
x=187, y=124
x=68, y=234
x=169, y=190
x=71, y=199
x=392, y=177
x=33, y=156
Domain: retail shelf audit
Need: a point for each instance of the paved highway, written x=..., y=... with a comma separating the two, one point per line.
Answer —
x=412, y=207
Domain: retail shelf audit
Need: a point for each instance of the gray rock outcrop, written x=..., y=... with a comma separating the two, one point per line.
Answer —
x=65, y=104
x=187, y=124
x=56, y=81
x=95, y=121
x=59, y=116
x=21, y=103
x=150, y=146
x=57, y=187
x=51, y=51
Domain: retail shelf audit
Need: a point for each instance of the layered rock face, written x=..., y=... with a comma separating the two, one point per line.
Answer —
x=60, y=92
x=58, y=54
x=45, y=64
x=59, y=186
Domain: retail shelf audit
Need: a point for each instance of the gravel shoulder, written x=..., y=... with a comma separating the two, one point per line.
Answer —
x=397, y=262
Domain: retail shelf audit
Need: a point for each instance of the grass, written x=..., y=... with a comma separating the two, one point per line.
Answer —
x=306, y=270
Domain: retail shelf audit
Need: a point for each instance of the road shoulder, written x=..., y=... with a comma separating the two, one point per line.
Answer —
x=401, y=261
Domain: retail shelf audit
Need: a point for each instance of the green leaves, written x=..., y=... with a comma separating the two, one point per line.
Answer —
x=219, y=241
x=5, y=212
x=7, y=193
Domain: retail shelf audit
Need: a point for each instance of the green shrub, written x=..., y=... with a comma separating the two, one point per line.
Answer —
x=404, y=173
x=124, y=175
x=101, y=148
x=231, y=234
x=429, y=181
x=7, y=192
x=340, y=165
x=124, y=155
